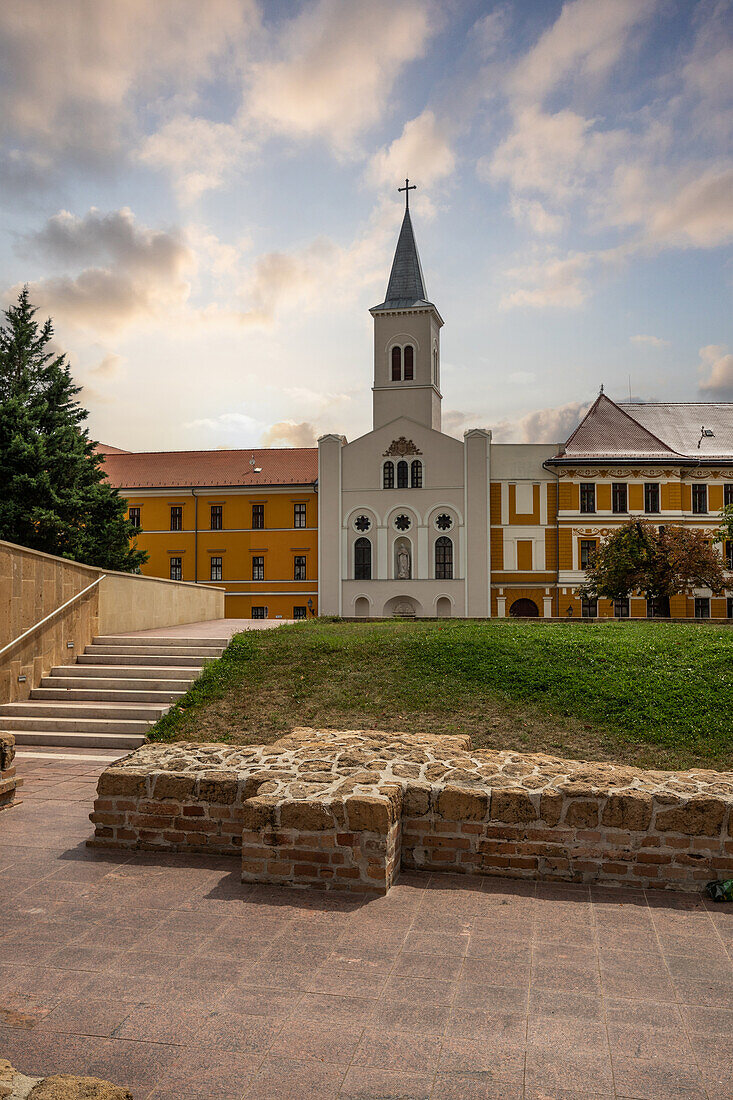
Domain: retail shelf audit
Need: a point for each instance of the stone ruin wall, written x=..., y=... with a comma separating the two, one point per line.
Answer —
x=9, y=781
x=347, y=809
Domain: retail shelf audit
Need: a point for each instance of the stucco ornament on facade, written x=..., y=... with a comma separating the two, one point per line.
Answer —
x=401, y=447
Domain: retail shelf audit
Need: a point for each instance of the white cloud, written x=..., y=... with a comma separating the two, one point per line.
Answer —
x=139, y=272
x=229, y=422
x=109, y=367
x=558, y=282
x=700, y=214
x=552, y=425
x=716, y=368
x=532, y=213
x=522, y=377
x=319, y=272
x=198, y=154
x=334, y=66
x=288, y=433
x=586, y=41
x=554, y=154
x=423, y=151
x=71, y=74
x=653, y=341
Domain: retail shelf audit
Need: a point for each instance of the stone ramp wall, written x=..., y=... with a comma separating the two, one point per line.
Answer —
x=9, y=781
x=348, y=809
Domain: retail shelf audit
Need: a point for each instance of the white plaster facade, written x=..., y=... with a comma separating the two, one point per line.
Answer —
x=448, y=499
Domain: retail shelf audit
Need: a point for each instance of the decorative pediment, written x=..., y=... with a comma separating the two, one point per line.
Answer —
x=402, y=447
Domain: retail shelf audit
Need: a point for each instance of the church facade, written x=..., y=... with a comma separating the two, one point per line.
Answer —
x=410, y=521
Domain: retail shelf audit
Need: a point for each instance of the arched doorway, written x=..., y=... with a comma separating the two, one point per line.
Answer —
x=404, y=607
x=524, y=609
x=443, y=607
x=362, y=607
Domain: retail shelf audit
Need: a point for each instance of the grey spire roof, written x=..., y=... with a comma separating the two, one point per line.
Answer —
x=406, y=286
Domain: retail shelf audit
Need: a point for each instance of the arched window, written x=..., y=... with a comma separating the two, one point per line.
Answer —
x=444, y=558
x=416, y=474
x=362, y=560
x=396, y=364
x=402, y=481
x=435, y=364
x=408, y=359
x=388, y=476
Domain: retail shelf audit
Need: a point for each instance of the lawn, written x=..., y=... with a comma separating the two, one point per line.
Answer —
x=653, y=694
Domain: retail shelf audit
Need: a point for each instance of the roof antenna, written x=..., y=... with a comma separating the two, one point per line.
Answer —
x=255, y=468
x=601, y=390
x=630, y=397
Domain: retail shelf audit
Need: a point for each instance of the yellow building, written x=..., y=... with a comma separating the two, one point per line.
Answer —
x=668, y=463
x=245, y=519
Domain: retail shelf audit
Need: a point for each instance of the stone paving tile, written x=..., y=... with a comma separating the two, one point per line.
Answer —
x=86, y=1016
x=217, y=1077
x=334, y=1043
x=657, y=1079
x=165, y=974
x=474, y=1086
x=368, y=1083
x=491, y=1059
x=285, y=1079
x=406, y=1053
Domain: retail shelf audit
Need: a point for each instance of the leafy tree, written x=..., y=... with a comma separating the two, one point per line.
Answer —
x=658, y=562
x=54, y=494
x=725, y=530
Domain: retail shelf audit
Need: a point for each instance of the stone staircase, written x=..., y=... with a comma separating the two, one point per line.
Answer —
x=118, y=688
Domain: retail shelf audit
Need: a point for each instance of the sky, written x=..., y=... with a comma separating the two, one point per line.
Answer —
x=203, y=196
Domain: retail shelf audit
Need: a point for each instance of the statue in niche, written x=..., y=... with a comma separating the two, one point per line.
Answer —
x=403, y=563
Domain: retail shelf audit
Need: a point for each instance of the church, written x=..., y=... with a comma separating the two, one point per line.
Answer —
x=410, y=521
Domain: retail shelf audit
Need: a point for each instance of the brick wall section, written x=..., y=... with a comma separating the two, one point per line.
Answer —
x=347, y=810
x=167, y=812
x=632, y=839
x=9, y=781
x=347, y=844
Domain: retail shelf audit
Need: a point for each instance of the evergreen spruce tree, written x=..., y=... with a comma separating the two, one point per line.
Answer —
x=54, y=494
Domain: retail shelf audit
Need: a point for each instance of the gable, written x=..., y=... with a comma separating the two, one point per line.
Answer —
x=609, y=430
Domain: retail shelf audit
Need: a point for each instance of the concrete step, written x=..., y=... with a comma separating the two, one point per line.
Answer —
x=12, y=722
x=192, y=643
x=79, y=740
x=56, y=689
x=115, y=673
x=149, y=660
x=85, y=709
x=156, y=650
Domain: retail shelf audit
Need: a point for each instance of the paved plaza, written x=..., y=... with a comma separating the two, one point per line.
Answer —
x=167, y=975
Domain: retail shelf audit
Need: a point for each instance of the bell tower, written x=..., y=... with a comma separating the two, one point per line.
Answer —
x=406, y=339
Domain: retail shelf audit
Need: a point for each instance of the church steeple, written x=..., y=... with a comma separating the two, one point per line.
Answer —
x=406, y=338
x=406, y=287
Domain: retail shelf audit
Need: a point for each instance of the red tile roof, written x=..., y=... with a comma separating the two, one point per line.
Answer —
x=187, y=469
x=106, y=449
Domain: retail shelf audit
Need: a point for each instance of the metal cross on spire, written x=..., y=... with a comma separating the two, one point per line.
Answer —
x=407, y=188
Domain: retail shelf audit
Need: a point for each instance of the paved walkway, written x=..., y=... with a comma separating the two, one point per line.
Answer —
x=210, y=628
x=167, y=975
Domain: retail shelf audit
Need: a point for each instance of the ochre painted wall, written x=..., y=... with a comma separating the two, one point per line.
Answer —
x=497, y=548
x=237, y=543
x=524, y=554
x=603, y=496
